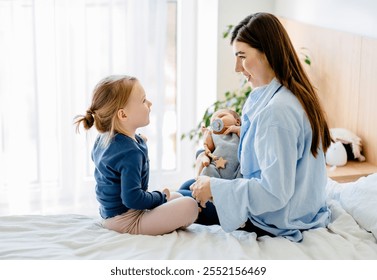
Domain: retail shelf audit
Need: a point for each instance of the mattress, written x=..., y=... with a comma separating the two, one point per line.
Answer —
x=350, y=235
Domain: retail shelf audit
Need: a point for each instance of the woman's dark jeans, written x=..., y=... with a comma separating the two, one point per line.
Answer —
x=208, y=215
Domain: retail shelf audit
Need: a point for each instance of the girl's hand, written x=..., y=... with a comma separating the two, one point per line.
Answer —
x=166, y=191
x=171, y=195
x=201, y=190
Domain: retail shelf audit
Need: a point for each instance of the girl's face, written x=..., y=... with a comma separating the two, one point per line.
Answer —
x=252, y=64
x=137, y=109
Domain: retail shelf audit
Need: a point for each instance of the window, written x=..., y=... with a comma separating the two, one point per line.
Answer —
x=52, y=53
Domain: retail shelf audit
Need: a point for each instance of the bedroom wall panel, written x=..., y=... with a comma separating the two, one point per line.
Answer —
x=331, y=53
x=343, y=69
x=367, y=117
x=335, y=61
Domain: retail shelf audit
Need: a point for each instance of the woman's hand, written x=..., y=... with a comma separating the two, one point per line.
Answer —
x=233, y=129
x=201, y=190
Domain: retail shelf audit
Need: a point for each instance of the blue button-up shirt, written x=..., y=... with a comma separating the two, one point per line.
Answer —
x=283, y=186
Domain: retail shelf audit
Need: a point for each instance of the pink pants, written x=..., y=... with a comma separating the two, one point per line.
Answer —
x=179, y=212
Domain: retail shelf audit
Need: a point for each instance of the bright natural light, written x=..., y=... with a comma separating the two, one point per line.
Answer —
x=52, y=54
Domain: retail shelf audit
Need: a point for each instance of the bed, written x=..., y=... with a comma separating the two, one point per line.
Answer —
x=352, y=234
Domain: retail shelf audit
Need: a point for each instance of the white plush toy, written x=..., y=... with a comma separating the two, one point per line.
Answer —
x=336, y=154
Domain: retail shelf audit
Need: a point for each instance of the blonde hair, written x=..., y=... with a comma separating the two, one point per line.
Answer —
x=109, y=95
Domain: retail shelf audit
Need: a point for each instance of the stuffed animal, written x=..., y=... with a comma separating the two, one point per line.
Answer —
x=336, y=154
x=346, y=146
x=351, y=139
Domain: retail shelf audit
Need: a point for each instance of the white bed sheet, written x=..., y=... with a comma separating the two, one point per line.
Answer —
x=359, y=199
x=67, y=237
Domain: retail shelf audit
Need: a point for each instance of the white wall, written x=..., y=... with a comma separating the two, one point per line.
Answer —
x=206, y=75
x=232, y=12
x=215, y=60
x=355, y=16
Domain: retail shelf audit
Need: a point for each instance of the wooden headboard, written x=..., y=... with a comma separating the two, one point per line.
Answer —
x=344, y=71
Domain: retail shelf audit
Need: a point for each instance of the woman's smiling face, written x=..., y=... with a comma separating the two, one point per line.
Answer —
x=252, y=64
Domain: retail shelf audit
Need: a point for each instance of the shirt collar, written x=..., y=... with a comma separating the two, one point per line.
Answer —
x=260, y=97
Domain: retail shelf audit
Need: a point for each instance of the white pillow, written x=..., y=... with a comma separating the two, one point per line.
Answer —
x=359, y=199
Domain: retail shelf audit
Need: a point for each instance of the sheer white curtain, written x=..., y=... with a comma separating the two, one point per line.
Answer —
x=52, y=53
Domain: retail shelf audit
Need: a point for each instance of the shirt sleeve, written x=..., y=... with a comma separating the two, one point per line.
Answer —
x=132, y=193
x=236, y=200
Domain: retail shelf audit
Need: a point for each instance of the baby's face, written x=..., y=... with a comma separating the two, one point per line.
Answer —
x=227, y=118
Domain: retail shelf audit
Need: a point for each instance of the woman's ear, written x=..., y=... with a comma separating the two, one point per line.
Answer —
x=121, y=114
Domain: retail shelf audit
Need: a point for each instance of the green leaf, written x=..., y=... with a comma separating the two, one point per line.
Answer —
x=227, y=30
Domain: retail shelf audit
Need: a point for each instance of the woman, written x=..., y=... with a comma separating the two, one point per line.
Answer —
x=284, y=136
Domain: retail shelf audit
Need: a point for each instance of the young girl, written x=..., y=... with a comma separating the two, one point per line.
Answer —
x=119, y=107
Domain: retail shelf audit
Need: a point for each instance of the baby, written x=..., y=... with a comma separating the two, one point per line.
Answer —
x=221, y=144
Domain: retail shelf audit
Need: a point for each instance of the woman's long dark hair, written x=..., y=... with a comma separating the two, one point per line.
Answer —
x=264, y=31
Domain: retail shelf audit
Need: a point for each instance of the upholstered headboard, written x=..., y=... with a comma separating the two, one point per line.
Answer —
x=344, y=70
